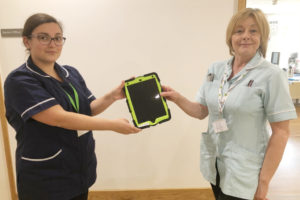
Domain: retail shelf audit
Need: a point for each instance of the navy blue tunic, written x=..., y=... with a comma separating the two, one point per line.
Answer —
x=52, y=163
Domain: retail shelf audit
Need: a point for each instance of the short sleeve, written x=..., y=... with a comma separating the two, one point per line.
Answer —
x=200, y=96
x=25, y=95
x=82, y=84
x=277, y=101
x=86, y=90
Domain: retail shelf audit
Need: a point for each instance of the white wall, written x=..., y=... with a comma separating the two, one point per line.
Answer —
x=112, y=40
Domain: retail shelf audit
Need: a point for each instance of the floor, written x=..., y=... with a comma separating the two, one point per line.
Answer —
x=285, y=184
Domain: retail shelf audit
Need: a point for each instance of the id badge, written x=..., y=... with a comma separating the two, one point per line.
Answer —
x=220, y=125
x=81, y=132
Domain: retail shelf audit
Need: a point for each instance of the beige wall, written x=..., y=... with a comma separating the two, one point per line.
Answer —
x=112, y=40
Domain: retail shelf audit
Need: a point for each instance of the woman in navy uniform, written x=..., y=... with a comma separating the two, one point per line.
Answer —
x=51, y=109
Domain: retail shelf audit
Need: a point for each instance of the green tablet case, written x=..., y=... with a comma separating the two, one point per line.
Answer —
x=145, y=104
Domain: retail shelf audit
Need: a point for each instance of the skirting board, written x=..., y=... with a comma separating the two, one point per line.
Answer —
x=167, y=194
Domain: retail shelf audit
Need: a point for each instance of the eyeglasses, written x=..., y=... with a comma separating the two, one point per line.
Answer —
x=45, y=39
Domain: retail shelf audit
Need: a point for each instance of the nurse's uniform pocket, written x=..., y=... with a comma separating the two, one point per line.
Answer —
x=40, y=174
x=207, y=153
x=207, y=144
x=244, y=167
x=42, y=159
x=51, y=161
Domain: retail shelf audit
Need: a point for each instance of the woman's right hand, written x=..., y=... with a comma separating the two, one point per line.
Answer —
x=193, y=109
x=170, y=94
x=124, y=127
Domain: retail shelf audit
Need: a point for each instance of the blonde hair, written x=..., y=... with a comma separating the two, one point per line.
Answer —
x=262, y=24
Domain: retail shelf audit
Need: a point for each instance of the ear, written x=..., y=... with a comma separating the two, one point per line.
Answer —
x=26, y=42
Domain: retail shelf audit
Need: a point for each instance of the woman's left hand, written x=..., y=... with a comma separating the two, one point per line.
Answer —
x=261, y=191
x=118, y=92
x=100, y=104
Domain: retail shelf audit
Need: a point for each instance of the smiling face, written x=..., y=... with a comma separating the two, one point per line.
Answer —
x=246, y=38
x=44, y=53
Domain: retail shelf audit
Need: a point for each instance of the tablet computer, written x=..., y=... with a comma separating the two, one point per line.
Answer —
x=145, y=104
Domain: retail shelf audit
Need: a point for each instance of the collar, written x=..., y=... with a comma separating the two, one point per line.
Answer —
x=62, y=71
x=255, y=61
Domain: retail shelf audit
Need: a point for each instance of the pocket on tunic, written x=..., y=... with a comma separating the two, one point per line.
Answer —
x=42, y=159
x=207, y=145
x=207, y=154
x=42, y=177
x=47, y=161
x=244, y=167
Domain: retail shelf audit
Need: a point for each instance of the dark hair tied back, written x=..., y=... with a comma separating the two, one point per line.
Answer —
x=35, y=20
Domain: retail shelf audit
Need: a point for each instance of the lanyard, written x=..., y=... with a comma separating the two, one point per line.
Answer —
x=76, y=103
x=223, y=97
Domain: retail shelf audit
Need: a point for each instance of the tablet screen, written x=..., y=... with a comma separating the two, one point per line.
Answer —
x=146, y=101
